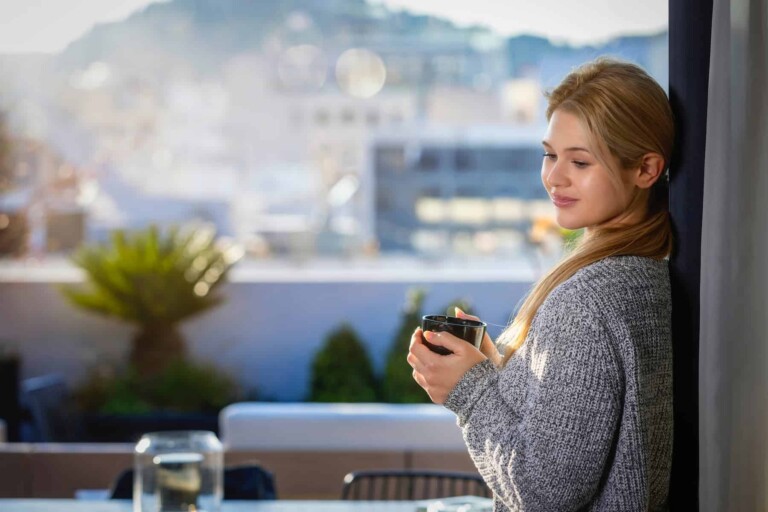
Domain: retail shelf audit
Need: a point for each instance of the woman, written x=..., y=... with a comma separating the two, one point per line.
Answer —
x=577, y=413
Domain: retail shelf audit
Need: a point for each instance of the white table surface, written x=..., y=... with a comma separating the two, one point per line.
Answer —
x=36, y=505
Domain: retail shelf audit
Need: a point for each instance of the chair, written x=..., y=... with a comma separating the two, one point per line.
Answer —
x=245, y=482
x=415, y=484
x=49, y=406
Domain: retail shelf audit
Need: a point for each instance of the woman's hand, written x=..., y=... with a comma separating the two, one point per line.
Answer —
x=487, y=347
x=436, y=373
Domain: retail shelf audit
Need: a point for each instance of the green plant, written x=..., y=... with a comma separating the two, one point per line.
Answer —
x=183, y=386
x=154, y=280
x=398, y=385
x=342, y=370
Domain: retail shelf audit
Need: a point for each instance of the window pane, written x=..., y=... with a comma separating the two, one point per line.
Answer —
x=362, y=122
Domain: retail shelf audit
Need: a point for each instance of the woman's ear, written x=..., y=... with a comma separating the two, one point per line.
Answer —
x=651, y=169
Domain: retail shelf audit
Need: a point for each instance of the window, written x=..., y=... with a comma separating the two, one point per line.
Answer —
x=372, y=118
x=348, y=116
x=322, y=117
x=464, y=159
x=402, y=100
x=429, y=159
x=507, y=159
x=390, y=159
x=384, y=200
x=431, y=210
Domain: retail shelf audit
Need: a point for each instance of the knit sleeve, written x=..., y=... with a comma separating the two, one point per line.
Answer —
x=540, y=431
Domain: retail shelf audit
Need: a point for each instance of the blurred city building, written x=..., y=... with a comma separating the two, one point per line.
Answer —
x=276, y=120
x=43, y=200
x=465, y=191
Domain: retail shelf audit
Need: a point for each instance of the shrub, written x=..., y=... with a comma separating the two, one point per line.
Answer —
x=342, y=370
x=398, y=385
x=184, y=386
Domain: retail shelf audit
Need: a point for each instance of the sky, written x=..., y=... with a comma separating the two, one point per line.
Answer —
x=48, y=26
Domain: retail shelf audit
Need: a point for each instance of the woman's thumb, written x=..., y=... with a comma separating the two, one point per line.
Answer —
x=461, y=314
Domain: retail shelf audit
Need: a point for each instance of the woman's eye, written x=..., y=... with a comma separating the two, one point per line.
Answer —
x=579, y=164
x=551, y=156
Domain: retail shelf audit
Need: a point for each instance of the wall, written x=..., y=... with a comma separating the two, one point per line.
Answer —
x=44, y=470
x=266, y=332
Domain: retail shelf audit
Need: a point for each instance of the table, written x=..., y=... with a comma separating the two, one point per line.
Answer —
x=35, y=505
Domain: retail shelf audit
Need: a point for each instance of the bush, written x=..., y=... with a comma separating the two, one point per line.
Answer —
x=342, y=370
x=398, y=385
x=184, y=386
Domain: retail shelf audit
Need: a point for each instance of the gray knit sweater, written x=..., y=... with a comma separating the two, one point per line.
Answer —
x=580, y=418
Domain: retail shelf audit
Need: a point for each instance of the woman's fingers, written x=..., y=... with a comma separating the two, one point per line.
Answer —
x=438, y=374
x=419, y=378
x=415, y=337
x=487, y=347
x=413, y=361
x=461, y=314
x=418, y=353
x=446, y=339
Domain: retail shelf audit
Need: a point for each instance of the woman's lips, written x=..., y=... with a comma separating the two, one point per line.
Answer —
x=562, y=201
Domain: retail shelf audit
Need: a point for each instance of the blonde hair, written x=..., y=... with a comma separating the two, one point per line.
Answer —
x=627, y=115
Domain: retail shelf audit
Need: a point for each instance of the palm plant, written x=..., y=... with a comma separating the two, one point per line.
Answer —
x=154, y=280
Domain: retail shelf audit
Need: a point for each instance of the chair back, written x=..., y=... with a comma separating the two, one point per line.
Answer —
x=51, y=408
x=244, y=482
x=413, y=484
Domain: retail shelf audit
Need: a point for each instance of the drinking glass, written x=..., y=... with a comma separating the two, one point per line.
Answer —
x=178, y=471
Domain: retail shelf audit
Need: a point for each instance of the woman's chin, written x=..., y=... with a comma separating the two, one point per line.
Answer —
x=568, y=223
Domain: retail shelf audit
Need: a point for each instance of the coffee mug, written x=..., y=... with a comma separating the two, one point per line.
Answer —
x=471, y=331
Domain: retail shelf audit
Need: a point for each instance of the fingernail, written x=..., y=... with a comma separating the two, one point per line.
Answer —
x=429, y=335
x=459, y=311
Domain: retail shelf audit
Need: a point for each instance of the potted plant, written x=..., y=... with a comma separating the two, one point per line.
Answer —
x=155, y=280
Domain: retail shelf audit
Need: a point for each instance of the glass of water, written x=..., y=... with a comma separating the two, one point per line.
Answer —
x=178, y=471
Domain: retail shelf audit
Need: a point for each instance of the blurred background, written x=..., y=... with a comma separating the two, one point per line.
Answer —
x=306, y=130
x=360, y=163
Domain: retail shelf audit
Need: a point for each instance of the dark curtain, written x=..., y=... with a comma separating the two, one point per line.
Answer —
x=690, y=23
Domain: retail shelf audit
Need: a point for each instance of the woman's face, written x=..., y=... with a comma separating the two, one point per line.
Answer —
x=582, y=189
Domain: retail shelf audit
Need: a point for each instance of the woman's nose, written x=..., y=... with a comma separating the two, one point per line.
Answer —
x=555, y=177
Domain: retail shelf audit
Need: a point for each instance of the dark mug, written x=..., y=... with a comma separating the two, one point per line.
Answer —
x=471, y=331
